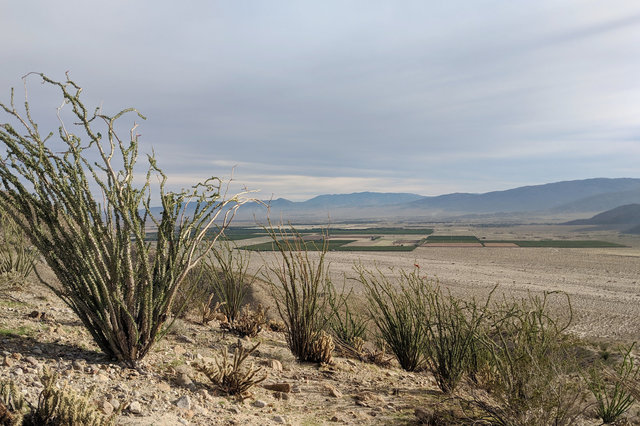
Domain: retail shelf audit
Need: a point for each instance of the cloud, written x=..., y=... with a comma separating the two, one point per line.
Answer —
x=421, y=95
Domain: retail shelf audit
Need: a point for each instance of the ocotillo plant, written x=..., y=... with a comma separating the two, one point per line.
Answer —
x=120, y=285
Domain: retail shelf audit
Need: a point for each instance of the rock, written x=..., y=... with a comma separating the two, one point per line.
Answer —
x=77, y=365
x=259, y=403
x=275, y=365
x=334, y=419
x=36, y=350
x=220, y=317
x=179, y=350
x=164, y=387
x=106, y=408
x=101, y=377
x=8, y=362
x=183, y=402
x=184, y=380
x=234, y=410
x=282, y=395
x=17, y=356
x=135, y=407
x=279, y=419
x=279, y=387
x=18, y=371
x=32, y=360
x=334, y=392
x=186, y=339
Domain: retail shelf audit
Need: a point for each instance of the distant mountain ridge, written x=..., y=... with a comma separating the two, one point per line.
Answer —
x=625, y=218
x=573, y=198
x=577, y=196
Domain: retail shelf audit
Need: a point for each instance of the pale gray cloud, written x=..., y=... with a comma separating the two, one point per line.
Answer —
x=425, y=96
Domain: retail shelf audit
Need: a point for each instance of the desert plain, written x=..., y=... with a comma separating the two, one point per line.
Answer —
x=603, y=284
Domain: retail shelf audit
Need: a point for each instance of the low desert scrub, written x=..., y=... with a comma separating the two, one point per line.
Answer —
x=250, y=322
x=232, y=378
x=533, y=377
x=56, y=406
x=17, y=256
x=121, y=286
x=452, y=347
x=226, y=271
x=398, y=309
x=302, y=291
x=613, y=387
x=348, y=327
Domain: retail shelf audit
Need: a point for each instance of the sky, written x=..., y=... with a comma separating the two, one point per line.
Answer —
x=300, y=98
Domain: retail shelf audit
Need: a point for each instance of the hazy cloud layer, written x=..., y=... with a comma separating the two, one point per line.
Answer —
x=333, y=96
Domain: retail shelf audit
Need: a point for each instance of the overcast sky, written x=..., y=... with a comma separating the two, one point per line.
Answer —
x=307, y=98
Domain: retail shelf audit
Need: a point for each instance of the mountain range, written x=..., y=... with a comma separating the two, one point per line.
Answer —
x=569, y=198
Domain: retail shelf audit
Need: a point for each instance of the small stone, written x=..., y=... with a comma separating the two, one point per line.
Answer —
x=234, y=410
x=164, y=387
x=183, y=402
x=282, y=395
x=17, y=356
x=35, y=314
x=334, y=392
x=106, y=408
x=101, y=377
x=135, y=407
x=184, y=380
x=179, y=350
x=279, y=419
x=36, y=350
x=275, y=365
x=259, y=403
x=18, y=371
x=114, y=403
x=335, y=419
x=186, y=339
x=77, y=365
x=8, y=362
x=183, y=421
x=279, y=387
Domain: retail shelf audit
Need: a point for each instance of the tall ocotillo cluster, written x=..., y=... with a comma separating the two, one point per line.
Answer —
x=120, y=285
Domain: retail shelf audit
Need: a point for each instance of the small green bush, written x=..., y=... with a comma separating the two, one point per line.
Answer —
x=399, y=311
x=227, y=273
x=302, y=290
x=452, y=346
x=533, y=376
x=610, y=386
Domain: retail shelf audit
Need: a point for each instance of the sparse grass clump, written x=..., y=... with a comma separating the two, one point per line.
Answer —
x=249, y=323
x=232, y=378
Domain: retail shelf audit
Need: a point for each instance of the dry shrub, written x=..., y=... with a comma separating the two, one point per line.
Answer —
x=56, y=407
x=249, y=323
x=277, y=326
x=533, y=377
x=232, y=378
